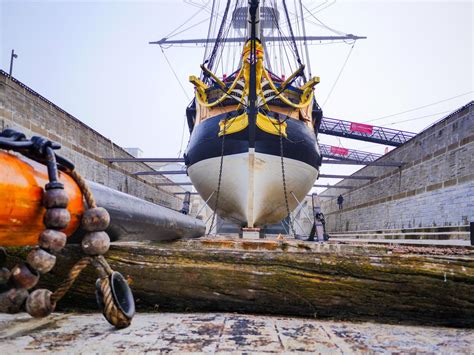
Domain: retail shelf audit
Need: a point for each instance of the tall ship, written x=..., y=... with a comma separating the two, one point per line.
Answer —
x=253, y=151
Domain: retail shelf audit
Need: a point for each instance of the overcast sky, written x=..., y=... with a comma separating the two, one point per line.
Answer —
x=92, y=58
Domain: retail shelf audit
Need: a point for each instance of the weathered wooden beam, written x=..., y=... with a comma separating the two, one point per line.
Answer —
x=343, y=281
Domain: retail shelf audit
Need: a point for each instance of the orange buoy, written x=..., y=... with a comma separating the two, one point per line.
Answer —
x=21, y=190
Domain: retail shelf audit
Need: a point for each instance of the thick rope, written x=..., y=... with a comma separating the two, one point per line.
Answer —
x=111, y=312
x=101, y=262
x=84, y=189
x=72, y=276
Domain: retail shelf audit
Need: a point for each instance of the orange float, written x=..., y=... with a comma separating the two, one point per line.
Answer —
x=22, y=181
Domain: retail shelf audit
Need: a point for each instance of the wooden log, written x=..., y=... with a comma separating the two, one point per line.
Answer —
x=342, y=281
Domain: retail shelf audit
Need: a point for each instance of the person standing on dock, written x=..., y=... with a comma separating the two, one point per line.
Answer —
x=340, y=200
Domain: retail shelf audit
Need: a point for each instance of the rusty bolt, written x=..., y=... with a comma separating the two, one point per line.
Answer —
x=55, y=198
x=95, y=219
x=41, y=260
x=56, y=218
x=24, y=277
x=38, y=303
x=96, y=243
x=51, y=239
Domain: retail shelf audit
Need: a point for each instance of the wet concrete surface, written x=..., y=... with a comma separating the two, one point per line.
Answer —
x=222, y=333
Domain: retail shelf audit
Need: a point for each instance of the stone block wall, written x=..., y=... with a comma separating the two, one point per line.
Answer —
x=435, y=186
x=23, y=109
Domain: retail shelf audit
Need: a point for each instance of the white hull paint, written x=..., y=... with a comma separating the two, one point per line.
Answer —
x=251, y=192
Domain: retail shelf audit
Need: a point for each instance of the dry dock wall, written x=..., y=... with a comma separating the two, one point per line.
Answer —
x=435, y=186
x=23, y=109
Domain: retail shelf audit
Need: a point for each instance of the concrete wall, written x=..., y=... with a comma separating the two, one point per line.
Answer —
x=23, y=109
x=434, y=188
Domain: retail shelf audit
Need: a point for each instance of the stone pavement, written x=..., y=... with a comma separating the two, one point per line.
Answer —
x=222, y=333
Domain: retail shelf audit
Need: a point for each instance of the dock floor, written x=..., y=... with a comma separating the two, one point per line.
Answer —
x=222, y=332
x=420, y=242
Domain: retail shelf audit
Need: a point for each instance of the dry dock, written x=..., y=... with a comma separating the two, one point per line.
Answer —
x=396, y=276
x=223, y=332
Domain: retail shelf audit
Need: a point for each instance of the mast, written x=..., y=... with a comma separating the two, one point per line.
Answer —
x=254, y=31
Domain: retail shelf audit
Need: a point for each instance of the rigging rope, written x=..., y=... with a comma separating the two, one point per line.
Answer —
x=323, y=24
x=209, y=29
x=308, y=62
x=174, y=33
x=417, y=118
x=190, y=27
x=210, y=61
x=420, y=107
x=185, y=94
x=298, y=28
x=339, y=75
x=183, y=130
x=175, y=75
x=280, y=43
x=223, y=40
x=293, y=42
x=327, y=6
